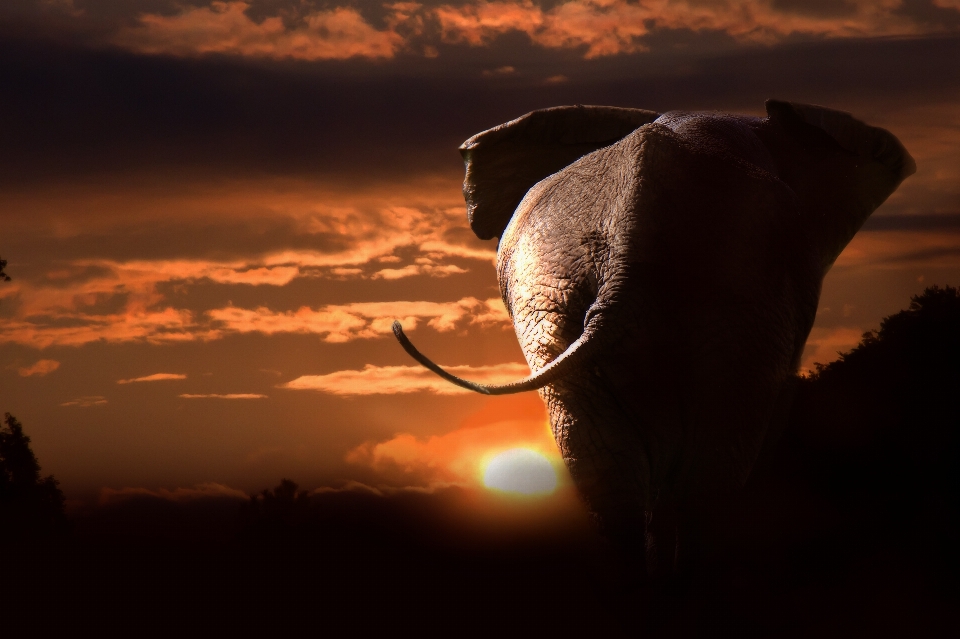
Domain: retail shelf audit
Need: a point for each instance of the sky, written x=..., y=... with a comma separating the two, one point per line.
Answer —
x=213, y=211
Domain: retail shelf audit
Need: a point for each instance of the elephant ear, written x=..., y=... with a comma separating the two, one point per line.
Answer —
x=502, y=163
x=840, y=168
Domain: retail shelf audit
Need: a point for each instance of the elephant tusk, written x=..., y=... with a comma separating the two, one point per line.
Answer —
x=576, y=354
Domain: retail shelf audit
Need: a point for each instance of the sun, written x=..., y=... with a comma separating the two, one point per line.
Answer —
x=522, y=471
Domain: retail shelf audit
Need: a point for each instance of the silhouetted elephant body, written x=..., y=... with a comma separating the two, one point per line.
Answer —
x=663, y=274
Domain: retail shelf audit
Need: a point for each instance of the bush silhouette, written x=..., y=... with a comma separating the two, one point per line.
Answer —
x=30, y=506
x=895, y=395
x=281, y=511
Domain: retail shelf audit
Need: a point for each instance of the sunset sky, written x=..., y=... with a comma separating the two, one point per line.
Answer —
x=213, y=211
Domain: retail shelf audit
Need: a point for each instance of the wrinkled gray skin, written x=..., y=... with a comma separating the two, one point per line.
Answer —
x=663, y=273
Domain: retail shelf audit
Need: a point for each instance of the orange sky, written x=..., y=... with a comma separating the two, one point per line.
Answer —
x=204, y=278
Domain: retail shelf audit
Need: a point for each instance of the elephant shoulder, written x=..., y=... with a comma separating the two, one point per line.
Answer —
x=591, y=192
x=697, y=210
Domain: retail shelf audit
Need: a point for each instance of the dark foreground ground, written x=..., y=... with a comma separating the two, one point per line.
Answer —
x=352, y=564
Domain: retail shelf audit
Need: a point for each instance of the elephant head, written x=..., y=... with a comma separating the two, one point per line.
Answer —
x=663, y=273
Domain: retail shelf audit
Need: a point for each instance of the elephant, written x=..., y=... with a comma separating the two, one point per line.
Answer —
x=663, y=273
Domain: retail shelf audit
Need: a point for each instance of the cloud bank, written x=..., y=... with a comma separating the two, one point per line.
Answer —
x=596, y=27
x=80, y=301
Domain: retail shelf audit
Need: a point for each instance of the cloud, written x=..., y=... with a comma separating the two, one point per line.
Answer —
x=426, y=267
x=499, y=71
x=390, y=380
x=223, y=396
x=479, y=22
x=224, y=27
x=441, y=248
x=139, y=273
x=460, y=456
x=343, y=323
x=154, y=327
x=40, y=368
x=87, y=401
x=208, y=490
x=156, y=377
x=897, y=249
x=610, y=27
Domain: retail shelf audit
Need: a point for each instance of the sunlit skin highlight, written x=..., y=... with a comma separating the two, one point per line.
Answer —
x=520, y=471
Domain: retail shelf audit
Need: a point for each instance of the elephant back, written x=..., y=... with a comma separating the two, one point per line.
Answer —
x=693, y=267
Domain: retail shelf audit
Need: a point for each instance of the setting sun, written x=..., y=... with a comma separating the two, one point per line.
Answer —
x=520, y=470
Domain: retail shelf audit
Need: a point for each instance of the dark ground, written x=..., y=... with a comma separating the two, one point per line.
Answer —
x=365, y=564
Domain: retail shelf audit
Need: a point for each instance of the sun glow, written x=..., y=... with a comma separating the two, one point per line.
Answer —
x=522, y=471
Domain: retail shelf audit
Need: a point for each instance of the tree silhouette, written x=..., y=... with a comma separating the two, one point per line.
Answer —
x=29, y=505
x=3, y=276
x=925, y=338
x=877, y=432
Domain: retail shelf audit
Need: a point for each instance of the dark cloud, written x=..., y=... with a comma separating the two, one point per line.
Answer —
x=948, y=223
x=76, y=112
x=819, y=8
x=927, y=255
x=927, y=13
x=291, y=11
x=119, y=10
x=164, y=239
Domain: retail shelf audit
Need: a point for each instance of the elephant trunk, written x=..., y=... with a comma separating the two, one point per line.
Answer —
x=582, y=350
